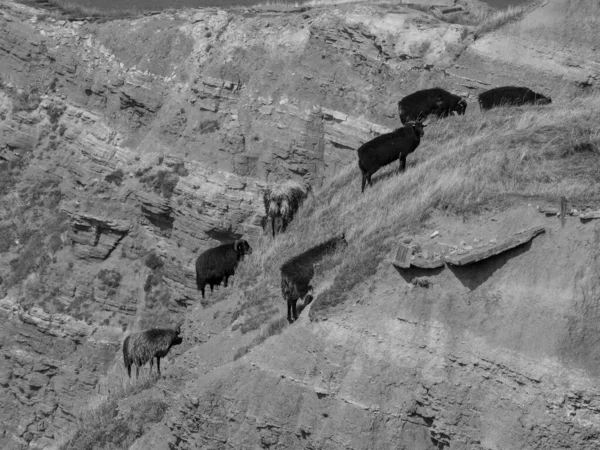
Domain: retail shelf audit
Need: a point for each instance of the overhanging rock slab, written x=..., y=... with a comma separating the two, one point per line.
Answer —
x=485, y=252
x=590, y=215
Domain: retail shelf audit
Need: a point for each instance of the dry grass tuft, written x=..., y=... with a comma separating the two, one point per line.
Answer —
x=103, y=427
x=493, y=21
x=272, y=328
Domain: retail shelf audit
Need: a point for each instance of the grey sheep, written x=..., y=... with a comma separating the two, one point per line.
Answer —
x=297, y=272
x=282, y=201
x=219, y=263
x=387, y=148
x=511, y=96
x=139, y=348
x=437, y=101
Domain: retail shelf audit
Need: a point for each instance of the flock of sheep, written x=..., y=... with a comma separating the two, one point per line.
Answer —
x=282, y=200
x=415, y=108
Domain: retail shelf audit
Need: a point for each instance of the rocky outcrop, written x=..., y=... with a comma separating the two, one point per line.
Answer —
x=494, y=354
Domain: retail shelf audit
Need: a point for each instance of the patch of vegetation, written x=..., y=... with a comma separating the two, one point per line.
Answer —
x=7, y=237
x=153, y=279
x=162, y=182
x=28, y=260
x=52, y=85
x=180, y=170
x=155, y=264
x=208, y=126
x=115, y=177
x=141, y=172
x=55, y=242
x=157, y=307
x=104, y=428
x=153, y=261
x=254, y=322
x=272, y=328
x=110, y=279
x=26, y=101
x=55, y=112
x=497, y=19
x=10, y=174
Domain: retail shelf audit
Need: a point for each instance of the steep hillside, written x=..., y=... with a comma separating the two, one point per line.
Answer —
x=497, y=354
x=126, y=151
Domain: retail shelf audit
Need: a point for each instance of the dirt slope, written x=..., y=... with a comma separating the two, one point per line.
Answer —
x=500, y=354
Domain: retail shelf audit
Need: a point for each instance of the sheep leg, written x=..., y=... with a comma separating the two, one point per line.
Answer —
x=226, y=278
x=137, y=371
x=294, y=310
x=289, y=308
x=158, y=365
x=273, y=225
x=366, y=179
x=129, y=371
x=402, y=164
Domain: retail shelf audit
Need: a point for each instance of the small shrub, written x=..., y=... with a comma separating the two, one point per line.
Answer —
x=27, y=261
x=55, y=242
x=103, y=428
x=153, y=261
x=7, y=238
x=55, y=112
x=115, y=177
x=272, y=328
x=26, y=101
x=208, y=126
x=180, y=170
x=163, y=182
x=111, y=279
x=141, y=172
x=156, y=299
x=154, y=278
x=52, y=86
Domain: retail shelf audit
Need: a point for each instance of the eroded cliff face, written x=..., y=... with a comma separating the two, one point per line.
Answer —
x=497, y=354
x=131, y=146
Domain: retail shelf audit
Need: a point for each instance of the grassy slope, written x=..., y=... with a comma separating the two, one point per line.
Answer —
x=464, y=164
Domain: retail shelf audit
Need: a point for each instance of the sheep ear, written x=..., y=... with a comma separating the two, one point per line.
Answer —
x=236, y=245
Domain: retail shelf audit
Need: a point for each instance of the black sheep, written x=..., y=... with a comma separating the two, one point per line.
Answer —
x=218, y=263
x=387, y=148
x=511, y=96
x=297, y=272
x=139, y=348
x=419, y=105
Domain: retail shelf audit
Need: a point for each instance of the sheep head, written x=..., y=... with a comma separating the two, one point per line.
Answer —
x=242, y=247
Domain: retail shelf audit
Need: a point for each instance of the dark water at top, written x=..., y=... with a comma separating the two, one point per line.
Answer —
x=157, y=5
x=500, y=4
